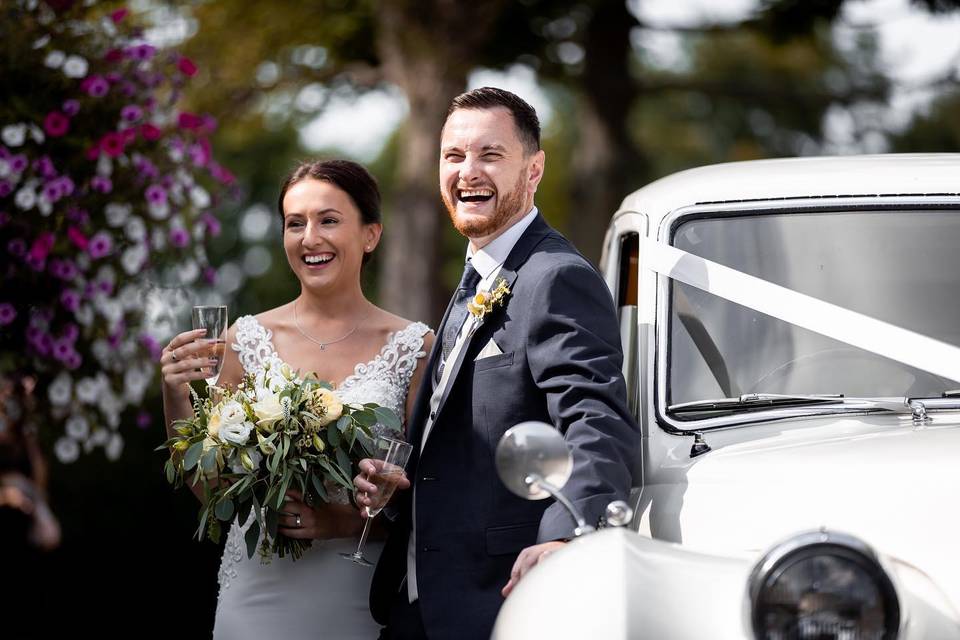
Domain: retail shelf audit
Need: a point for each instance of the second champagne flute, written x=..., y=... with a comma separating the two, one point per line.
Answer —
x=214, y=320
x=389, y=457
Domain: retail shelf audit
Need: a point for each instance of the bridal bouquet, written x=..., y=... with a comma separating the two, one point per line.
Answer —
x=246, y=446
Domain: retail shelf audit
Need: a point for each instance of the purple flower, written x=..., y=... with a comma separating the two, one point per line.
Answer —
x=151, y=345
x=74, y=361
x=70, y=300
x=71, y=107
x=144, y=420
x=145, y=168
x=62, y=350
x=101, y=184
x=210, y=275
x=7, y=313
x=18, y=163
x=100, y=245
x=33, y=333
x=52, y=191
x=35, y=262
x=4, y=152
x=44, y=166
x=4, y=218
x=77, y=215
x=66, y=185
x=43, y=344
x=156, y=194
x=179, y=237
x=105, y=286
x=64, y=269
x=131, y=113
x=71, y=333
x=5, y=188
x=56, y=124
x=95, y=86
x=141, y=52
x=211, y=223
x=17, y=247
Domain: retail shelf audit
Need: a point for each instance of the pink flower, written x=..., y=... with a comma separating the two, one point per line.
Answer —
x=210, y=275
x=112, y=144
x=62, y=348
x=7, y=313
x=41, y=246
x=93, y=152
x=118, y=15
x=150, y=132
x=141, y=52
x=77, y=238
x=113, y=55
x=95, y=86
x=220, y=174
x=211, y=223
x=151, y=345
x=56, y=124
x=188, y=120
x=200, y=152
x=100, y=245
x=186, y=66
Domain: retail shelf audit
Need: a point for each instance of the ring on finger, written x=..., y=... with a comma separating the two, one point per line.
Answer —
x=173, y=354
x=297, y=521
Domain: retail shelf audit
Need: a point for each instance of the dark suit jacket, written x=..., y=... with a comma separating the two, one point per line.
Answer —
x=561, y=363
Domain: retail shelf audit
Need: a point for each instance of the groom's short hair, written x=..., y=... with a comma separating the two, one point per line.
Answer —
x=524, y=116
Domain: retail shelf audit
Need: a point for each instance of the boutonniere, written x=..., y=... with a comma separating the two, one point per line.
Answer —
x=484, y=302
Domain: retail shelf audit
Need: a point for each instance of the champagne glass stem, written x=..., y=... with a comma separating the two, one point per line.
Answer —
x=363, y=537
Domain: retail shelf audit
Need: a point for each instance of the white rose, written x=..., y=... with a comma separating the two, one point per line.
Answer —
x=268, y=409
x=236, y=433
x=75, y=67
x=232, y=412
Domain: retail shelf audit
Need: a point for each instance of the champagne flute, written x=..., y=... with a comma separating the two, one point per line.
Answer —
x=389, y=457
x=214, y=320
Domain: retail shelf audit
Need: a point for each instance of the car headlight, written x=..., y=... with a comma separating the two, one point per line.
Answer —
x=822, y=586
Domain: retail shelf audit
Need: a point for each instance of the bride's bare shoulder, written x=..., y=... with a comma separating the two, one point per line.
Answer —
x=276, y=318
x=391, y=323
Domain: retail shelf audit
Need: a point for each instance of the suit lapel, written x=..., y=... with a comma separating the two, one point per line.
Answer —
x=532, y=236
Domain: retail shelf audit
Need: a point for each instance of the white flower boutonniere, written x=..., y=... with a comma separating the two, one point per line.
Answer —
x=484, y=302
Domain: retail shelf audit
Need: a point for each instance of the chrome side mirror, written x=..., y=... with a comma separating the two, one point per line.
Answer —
x=534, y=463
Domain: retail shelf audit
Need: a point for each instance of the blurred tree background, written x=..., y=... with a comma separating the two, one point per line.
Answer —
x=792, y=77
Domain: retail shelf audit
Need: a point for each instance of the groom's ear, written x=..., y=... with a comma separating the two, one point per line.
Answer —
x=535, y=170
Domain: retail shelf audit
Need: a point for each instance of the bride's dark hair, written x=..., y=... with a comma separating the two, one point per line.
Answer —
x=352, y=178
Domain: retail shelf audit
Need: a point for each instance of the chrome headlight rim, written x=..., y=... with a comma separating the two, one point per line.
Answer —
x=811, y=543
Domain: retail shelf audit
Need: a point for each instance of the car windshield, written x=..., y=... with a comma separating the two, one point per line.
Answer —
x=902, y=267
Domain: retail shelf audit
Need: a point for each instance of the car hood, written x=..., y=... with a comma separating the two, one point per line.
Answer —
x=880, y=478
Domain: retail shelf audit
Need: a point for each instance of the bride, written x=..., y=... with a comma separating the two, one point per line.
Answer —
x=331, y=224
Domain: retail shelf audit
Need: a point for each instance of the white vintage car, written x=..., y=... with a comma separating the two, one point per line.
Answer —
x=790, y=330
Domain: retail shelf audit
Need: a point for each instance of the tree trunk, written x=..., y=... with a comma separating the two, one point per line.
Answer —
x=607, y=165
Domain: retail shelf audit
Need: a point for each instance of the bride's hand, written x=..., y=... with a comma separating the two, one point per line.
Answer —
x=184, y=360
x=320, y=522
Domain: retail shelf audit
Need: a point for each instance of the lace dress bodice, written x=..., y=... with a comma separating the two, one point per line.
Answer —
x=384, y=380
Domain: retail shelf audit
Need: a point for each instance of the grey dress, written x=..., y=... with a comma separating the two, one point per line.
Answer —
x=321, y=595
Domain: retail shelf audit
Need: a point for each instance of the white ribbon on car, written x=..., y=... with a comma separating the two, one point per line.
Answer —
x=876, y=336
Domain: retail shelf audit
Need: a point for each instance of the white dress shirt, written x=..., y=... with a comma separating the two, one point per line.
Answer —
x=487, y=261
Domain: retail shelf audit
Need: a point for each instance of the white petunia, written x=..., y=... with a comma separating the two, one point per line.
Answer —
x=13, y=135
x=75, y=67
x=84, y=315
x=78, y=427
x=199, y=197
x=104, y=165
x=41, y=42
x=158, y=210
x=135, y=382
x=116, y=214
x=114, y=448
x=54, y=59
x=101, y=351
x=237, y=434
x=87, y=390
x=37, y=134
x=25, y=199
x=44, y=206
x=130, y=297
x=5, y=169
x=188, y=272
x=132, y=259
x=67, y=450
x=60, y=389
x=135, y=229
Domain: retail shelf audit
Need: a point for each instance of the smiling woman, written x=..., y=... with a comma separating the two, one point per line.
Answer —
x=331, y=224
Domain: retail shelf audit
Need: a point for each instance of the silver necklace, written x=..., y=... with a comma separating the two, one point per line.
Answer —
x=323, y=345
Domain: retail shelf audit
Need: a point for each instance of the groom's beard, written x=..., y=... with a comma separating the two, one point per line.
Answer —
x=508, y=205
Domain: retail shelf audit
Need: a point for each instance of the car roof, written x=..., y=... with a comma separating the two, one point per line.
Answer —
x=813, y=177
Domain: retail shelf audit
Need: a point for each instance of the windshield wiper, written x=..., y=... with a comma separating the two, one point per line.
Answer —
x=750, y=401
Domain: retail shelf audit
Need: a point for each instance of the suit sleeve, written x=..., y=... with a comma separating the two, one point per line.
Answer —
x=575, y=357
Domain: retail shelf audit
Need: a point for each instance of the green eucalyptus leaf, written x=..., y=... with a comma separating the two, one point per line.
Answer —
x=243, y=511
x=333, y=435
x=366, y=418
x=252, y=537
x=193, y=455
x=387, y=418
x=344, y=423
x=319, y=488
x=224, y=509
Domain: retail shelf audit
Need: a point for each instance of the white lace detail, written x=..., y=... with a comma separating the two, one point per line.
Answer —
x=384, y=380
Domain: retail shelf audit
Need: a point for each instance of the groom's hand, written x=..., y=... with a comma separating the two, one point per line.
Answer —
x=364, y=489
x=527, y=560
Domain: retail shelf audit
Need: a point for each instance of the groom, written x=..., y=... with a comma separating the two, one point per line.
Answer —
x=547, y=347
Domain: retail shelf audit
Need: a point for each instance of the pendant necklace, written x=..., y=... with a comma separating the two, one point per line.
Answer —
x=323, y=345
